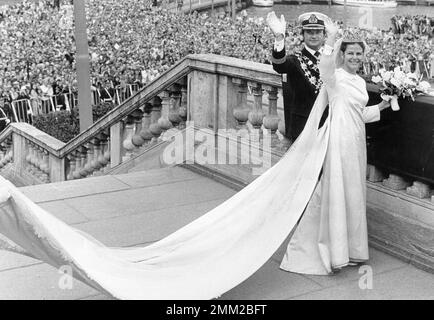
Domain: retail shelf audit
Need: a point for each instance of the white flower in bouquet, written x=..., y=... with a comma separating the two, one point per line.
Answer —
x=386, y=75
x=398, y=75
x=423, y=86
x=397, y=82
x=377, y=79
x=409, y=82
x=397, y=70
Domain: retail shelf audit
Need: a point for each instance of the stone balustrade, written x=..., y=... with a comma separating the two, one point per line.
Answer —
x=418, y=189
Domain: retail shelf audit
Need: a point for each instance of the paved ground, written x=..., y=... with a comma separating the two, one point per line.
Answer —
x=140, y=208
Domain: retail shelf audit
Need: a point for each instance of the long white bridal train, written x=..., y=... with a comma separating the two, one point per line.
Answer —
x=202, y=260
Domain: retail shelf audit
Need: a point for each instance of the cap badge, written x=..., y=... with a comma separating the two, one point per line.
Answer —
x=313, y=19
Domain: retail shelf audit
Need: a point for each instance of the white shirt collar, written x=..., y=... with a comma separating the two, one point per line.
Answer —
x=312, y=52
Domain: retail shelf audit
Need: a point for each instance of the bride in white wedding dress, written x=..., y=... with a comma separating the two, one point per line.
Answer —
x=333, y=231
x=225, y=246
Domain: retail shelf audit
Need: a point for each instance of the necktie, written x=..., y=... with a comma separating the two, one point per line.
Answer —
x=317, y=54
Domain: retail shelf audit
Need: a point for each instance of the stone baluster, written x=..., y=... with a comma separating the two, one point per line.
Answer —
x=175, y=103
x=77, y=156
x=107, y=156
x=29, y=155
x=271, y=120
x=89, y=168
x=374, y=174
x=83, y=162
x=104, y=149
x=241, y=110
x=164, y=122
x=183, y=106
x=256, y=116
x=145, y=132
x=127, y=139
x=285, y=143
x=33, y=168
x=39, y=164
x=155, y=116
x=96, y=166
x=396, y=182
x=419, y=189
x=45, y=166
x=137, y=139
x=107, y=153
x=72, y=163
x=36, y=155
x=35, y=161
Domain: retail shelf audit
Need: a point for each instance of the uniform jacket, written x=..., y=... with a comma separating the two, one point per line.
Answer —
x=300, y=84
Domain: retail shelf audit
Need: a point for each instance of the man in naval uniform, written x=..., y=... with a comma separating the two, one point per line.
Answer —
x=300, y=74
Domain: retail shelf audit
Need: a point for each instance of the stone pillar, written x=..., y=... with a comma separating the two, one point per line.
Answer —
x=164, y=121
x=20, y=145
x=71, y=162
x=271, y=121
x=88, y=167
x=175, y=103
x=241, y=110
x=395, y=182
x=226, y=103
x=137, y=140
x=154, y=128
x=145, y=132
x=202, y=97
x=419, y=189
x=82, y=166
x=77, y=156
x=45, y=166
x=183, y=111
x=57, y=168
x=116, y=135
x=285, y=143
x=96, y=166
x=256, y=116
x=374, y=174
x=127, y=140
x=105, y=151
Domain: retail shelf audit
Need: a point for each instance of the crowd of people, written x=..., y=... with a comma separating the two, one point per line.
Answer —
x=34, y=52
x=133, y=42
x=417, y=25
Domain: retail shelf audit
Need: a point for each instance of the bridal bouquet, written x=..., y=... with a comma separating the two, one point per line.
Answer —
x=397, y=83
